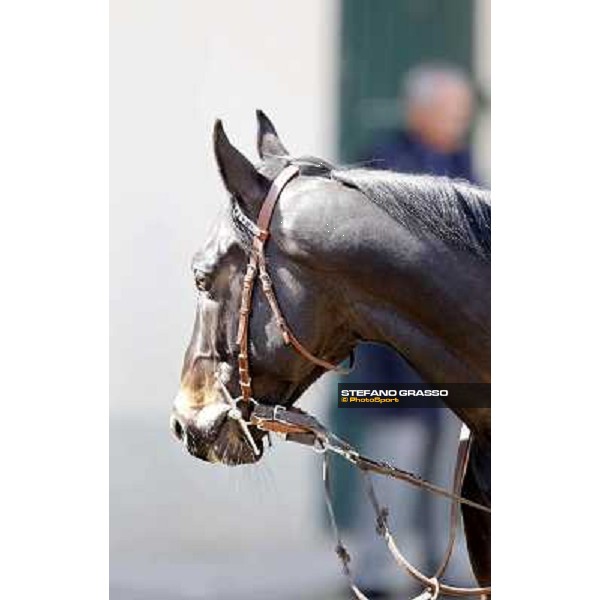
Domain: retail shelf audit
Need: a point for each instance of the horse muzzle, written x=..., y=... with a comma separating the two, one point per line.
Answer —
x=211, y=435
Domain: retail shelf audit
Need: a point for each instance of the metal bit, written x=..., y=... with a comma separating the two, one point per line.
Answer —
x=236, y=415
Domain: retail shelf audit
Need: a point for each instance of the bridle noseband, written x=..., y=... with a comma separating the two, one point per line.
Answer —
x=257, y=265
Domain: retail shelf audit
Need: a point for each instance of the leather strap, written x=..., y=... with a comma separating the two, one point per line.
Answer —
x=257, y=265
x=303, y=428
x=268, y=206
x=460, y=468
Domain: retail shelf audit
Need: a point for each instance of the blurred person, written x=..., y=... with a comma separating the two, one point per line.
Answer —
x=437, y=102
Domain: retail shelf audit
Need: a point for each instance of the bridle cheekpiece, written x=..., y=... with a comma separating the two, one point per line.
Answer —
x=257, y=266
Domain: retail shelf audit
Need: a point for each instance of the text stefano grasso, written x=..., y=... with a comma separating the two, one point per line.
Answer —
x=392, y=393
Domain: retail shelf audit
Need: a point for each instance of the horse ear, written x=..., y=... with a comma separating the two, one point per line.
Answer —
x=239, y=175
x=268, y=141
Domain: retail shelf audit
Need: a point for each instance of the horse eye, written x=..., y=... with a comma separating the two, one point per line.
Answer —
x=202, y=281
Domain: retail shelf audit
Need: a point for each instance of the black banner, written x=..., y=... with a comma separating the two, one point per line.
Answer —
x=413, y=395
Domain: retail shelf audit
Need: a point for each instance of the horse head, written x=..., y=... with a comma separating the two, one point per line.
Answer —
x=309, y=299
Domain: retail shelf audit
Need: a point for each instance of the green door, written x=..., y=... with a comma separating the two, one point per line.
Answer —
x=380, y=41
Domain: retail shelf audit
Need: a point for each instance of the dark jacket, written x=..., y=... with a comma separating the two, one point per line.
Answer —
x=401, y=151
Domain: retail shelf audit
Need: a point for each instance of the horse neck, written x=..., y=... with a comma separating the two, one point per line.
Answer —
x=428, y=301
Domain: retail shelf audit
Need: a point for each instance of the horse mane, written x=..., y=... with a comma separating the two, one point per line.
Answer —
x=453, y=210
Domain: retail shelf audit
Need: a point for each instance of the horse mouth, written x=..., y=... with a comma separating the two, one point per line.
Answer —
x=210, y=435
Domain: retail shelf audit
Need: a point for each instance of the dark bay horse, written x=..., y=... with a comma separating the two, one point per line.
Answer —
x=354, y=255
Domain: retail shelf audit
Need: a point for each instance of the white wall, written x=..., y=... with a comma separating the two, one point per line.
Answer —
x=175, y=67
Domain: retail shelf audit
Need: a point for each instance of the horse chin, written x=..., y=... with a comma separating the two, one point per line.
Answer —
x=231, y=448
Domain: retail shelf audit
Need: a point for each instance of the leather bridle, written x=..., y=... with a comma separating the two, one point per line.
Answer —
x=257, y=265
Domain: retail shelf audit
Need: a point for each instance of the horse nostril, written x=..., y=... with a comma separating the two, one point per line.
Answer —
x=177, y=429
